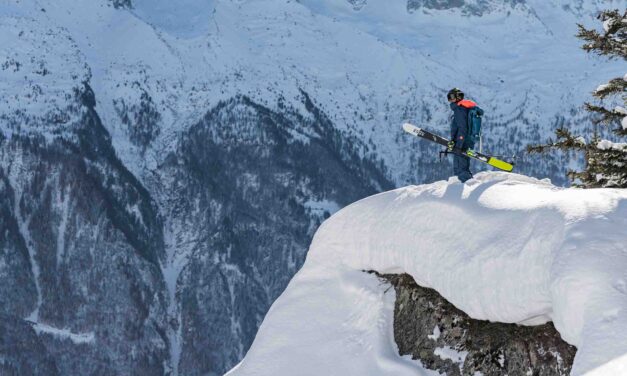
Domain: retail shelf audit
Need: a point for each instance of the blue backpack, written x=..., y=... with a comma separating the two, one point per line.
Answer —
x=474, y=125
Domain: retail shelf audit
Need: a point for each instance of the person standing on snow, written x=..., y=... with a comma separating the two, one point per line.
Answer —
x=459, y=133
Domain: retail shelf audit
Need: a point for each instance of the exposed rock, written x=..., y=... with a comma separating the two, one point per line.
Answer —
x=358, y=4
x=444, y=338
x=18, y=294
x=475, y=8
x=125, y=4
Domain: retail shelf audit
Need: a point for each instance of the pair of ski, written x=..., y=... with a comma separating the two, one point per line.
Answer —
x=492, y=161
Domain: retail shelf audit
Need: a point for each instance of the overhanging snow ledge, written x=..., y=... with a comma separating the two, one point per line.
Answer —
x=504, y=248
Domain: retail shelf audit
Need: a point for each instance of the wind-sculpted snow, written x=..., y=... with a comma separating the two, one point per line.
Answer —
x=502, y=248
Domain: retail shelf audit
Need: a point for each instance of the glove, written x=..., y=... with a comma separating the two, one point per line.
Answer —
x=450, y=145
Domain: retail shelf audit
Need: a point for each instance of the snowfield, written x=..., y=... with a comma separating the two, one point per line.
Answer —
x=503, y=247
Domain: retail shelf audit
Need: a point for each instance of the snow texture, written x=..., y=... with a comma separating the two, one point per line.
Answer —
x=607, y=145
x=436, y=333
x=77, y=338
x=452, y=354
x=503, y=247
x=620, y=110
x=601, y=87
x=337, y=322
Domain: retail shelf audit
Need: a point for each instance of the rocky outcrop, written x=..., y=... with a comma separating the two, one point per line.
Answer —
x=443, y=338
x=127, y=4
x=466, y=7
x=357, y=4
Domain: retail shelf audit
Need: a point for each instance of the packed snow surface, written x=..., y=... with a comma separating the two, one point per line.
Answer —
x=502, y=247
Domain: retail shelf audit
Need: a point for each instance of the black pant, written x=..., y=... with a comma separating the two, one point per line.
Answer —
x=461, y=167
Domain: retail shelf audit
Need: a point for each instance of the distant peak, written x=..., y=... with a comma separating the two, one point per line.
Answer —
x=467, y=7
x=357, y=4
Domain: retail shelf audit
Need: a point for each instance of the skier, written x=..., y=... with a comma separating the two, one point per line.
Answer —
x=465, y=132
x=459, y=133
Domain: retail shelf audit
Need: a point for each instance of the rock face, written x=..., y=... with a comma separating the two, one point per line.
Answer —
x=80, y=252
x=445, y=339
x=119, y=276
x=467, y=7
x=21, y=350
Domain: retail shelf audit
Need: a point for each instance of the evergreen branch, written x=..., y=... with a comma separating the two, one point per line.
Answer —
x=565, y=141
x=607, y=116
x=606, y=162
x=616, y=21
x=614, y=87
x=612, y=42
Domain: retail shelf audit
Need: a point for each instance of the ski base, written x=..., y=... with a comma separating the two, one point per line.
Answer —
x=492, y=161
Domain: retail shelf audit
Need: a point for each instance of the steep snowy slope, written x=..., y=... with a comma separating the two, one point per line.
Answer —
x=505, y=248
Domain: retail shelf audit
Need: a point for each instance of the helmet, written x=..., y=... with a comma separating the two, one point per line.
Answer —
x=455, y=94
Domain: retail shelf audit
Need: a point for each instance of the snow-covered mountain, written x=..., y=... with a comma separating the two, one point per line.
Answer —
x=504, y=248
x=164, y=165
x=368, y=65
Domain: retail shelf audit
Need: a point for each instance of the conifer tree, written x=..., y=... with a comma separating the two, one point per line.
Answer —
x=606, y=161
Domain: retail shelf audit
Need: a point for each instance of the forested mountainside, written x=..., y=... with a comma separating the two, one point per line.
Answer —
x=163, y=166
